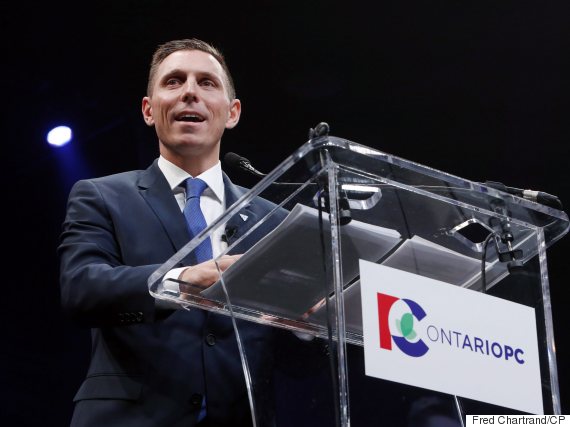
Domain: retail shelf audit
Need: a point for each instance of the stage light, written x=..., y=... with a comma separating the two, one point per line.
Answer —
x=59, y=136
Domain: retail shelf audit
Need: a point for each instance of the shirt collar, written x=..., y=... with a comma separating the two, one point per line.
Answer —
x=176, y=176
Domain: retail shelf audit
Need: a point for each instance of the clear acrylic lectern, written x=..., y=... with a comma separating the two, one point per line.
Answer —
x=328, y=205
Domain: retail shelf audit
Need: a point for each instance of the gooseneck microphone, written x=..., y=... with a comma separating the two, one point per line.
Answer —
x=238, y=162
x=532, y=195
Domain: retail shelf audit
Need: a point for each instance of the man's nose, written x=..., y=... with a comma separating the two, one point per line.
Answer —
x=189, y=91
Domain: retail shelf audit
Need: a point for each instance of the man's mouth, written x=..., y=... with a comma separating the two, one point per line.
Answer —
x=191, y=118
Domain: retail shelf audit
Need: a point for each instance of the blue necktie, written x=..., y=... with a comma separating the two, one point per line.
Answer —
x=195, y=218
x=196, y=223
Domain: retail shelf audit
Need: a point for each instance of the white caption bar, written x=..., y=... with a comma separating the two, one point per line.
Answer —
x=518, y=420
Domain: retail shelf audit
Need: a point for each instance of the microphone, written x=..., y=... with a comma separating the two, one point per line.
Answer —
x=229, y=233
x=532, y=195
x=238, y=162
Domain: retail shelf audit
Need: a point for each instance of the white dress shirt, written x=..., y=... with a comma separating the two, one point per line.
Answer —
x=212, y=203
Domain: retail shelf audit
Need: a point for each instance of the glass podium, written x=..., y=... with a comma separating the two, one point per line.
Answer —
x=301, y=232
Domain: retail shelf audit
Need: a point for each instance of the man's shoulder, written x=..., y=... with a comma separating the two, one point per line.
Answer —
x=115, y=187
x=119, y=180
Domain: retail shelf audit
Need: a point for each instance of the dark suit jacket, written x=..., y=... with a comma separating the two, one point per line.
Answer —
x=150, y=366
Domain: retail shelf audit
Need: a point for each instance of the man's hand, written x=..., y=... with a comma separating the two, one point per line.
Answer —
x=206, y=273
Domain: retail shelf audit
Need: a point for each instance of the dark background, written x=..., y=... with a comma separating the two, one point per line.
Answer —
x=476, y=89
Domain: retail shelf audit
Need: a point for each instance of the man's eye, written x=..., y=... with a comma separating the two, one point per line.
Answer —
x=207, y=82
x=172, y=82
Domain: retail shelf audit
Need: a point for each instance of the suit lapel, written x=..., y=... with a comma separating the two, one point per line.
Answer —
x=155, y=190
x=246, y=218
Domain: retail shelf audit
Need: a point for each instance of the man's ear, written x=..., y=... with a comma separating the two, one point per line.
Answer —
x=147, y=111
x=235, y=112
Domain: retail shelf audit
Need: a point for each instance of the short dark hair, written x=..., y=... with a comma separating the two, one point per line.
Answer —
x=165, y=49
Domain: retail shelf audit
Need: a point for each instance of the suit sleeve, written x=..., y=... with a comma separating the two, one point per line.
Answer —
x=97, y=288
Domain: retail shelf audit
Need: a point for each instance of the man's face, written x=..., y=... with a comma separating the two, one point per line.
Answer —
x=189, y=106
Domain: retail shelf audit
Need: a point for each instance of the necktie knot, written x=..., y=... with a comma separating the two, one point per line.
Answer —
x=194, y=187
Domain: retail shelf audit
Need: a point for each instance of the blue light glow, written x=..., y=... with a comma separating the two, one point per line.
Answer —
x=59, y=136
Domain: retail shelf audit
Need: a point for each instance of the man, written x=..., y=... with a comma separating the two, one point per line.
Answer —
x=154, y=366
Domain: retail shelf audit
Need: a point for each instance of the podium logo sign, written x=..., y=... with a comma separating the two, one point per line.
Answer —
x=426, y=333
x=405, y=326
